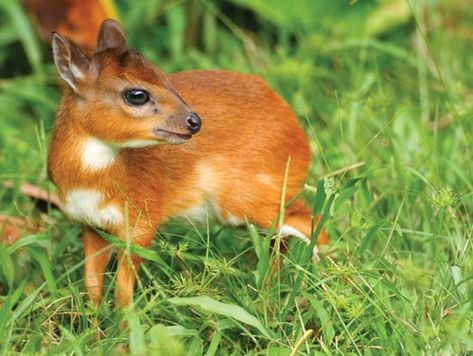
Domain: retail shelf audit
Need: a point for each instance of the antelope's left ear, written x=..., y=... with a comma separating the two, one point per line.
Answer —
x=111, y=35
x=73, y=65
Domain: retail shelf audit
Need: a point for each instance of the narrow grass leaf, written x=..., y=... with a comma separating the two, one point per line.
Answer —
x=11, y=300
x=137, y=339
x=370, y=234
x=27, y=302
x=457, y=277
x=24, y=31
x=256, y=240
x=225, y=324
x=7, y=266
x=214, y=342
x=195, y=347
x=319, y=198
x=261, y=246
x=326, y=322
x=282, y=205
x=210, y=31
x=386, y=16
x=178, y=330
x=229, y=310
x=28, y=240
x=45, y=266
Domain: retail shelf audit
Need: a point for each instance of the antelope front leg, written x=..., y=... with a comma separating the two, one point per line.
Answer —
x=97, y=256
x=128, y=267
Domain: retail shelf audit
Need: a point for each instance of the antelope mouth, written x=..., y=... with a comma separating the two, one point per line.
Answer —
x=172, y=137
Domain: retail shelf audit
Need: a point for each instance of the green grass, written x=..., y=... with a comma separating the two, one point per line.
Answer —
x=386, y=98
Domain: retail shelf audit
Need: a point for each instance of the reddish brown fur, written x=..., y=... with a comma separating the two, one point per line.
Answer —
x=237, y=161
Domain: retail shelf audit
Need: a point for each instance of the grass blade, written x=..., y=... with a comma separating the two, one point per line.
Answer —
x=46, y=269
x=7, y=266
x=137, y=338
x=229, y=310
x=24, y=32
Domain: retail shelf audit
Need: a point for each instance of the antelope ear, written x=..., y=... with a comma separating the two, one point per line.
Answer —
x=72, y=64
x=111, y=35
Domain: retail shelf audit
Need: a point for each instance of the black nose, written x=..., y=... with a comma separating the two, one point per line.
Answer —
x=194, y=122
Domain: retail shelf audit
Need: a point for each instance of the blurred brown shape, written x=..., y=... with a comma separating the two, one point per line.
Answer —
x=11, y=229
x=37, y=193
x=79, y=20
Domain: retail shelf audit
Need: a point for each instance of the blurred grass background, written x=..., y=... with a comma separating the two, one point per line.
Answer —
x=384, y=89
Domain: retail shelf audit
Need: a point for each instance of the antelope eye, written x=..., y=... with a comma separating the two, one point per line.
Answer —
x=136, y=97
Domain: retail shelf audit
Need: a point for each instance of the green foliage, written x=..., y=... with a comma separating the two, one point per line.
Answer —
x=383, y=89
x=228, y=310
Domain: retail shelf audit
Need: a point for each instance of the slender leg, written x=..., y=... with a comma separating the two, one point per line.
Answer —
x=128, y=267
x=96, y=259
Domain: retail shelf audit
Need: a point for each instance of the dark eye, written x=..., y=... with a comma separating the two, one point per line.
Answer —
x=136, y=97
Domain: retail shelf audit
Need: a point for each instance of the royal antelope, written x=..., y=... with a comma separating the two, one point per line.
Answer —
x=132, y=147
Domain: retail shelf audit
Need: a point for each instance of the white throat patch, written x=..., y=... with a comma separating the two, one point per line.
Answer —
x=136, y=143
x=97, y=154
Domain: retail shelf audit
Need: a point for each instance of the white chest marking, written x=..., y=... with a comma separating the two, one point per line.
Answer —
x=97, y=154
x=83, y=205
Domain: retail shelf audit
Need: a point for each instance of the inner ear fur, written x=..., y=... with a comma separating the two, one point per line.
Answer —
x=73, y=65
x=111, y=35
